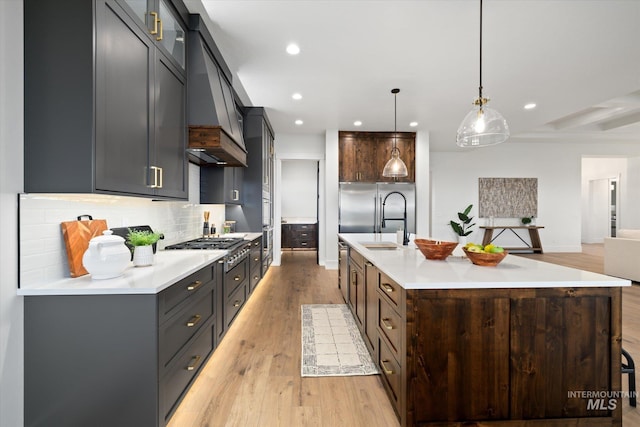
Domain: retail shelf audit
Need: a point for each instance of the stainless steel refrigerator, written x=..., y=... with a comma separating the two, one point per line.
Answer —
x=361, y=207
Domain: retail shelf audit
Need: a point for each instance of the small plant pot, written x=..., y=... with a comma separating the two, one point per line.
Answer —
x=143, y=256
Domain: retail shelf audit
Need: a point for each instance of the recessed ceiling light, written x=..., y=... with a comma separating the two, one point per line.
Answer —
x=293, y=49
x=296, y=96
x=413, y=124
x=299, y=122
x=357, y=123
x=530, y=106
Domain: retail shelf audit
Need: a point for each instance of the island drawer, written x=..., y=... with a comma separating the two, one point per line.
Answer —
x=184, y=325
x=391, y=373
x=393, y=292
x=170, y=298
x=389, y=324
x=356, y=258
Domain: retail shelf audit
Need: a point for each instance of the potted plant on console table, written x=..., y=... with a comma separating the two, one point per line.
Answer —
x=142, y=242
x=463, y=228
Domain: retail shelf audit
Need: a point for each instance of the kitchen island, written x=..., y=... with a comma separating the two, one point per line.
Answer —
x=459, y=344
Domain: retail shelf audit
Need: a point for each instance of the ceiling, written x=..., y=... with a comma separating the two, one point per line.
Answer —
x=578, y=60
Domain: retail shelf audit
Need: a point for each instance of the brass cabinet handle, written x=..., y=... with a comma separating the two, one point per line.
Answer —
x=195, y=285
x=195, y=360
x=236, y=303
x=354, y=278
x=236, y=278
x=194, y=321
x=383, y=365
x=386, y=324
x=161, y=32
x=387, y=287
x=155, y=22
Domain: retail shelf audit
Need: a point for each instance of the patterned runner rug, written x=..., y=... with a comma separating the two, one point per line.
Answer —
x=332, y=344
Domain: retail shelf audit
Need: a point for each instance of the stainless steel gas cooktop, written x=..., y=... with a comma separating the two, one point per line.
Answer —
x=208, y=243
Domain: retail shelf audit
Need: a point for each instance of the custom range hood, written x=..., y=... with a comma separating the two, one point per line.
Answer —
x=215, y=124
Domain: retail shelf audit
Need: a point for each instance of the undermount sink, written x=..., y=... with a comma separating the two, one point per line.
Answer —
x=380, y=245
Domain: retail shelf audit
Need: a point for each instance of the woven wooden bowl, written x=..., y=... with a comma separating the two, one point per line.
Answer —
x=435, y=249
x=485, y=259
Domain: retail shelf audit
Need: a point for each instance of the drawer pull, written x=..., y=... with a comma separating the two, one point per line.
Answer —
x=383, y=365
x=195, y=360
x=256, y=277
x=256, y=243
x=236, y=303
x=195, y=285
x=256, y=259
x=304, y=234
x=304, y=243
x=194, y=321
x=368, y=264
x=386, y=324
x=387, y=287
x=236, y=278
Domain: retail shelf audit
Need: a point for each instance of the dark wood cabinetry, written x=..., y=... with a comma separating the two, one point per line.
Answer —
x=363, y=155
x=88, y=129
x=491, y=356
x=299, y=236
x=118, y=359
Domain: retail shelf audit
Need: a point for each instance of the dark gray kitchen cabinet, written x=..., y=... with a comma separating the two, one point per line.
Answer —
x=117, y=360
x=257, y=185
x=221, y=185
x=104, y=104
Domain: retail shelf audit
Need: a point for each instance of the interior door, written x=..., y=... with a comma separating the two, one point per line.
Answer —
x=598, y=222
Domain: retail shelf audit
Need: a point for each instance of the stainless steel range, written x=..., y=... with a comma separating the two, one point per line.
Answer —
x=238, y=248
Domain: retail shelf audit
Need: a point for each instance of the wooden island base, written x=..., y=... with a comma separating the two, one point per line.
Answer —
x=494, y=356
x=501, y=357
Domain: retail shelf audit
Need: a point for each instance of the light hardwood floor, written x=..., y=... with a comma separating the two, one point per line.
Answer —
x=253, y=377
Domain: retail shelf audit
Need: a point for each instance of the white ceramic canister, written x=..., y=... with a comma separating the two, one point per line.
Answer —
x=107, y=256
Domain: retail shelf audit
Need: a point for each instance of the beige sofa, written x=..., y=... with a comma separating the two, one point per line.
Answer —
x=622, y=255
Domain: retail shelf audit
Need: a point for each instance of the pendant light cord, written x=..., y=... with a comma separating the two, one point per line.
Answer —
x=480, y=87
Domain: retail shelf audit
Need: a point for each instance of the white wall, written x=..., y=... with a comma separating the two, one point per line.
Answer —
x=300, y=190
x=557, y=167
x=630, y=206
x=11, y=183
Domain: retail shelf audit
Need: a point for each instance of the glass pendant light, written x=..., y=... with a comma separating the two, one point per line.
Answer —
x=483, y=126
x=395, y=167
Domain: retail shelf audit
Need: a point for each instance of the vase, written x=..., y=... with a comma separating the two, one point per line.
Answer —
x=462, y=240
x=143, y=256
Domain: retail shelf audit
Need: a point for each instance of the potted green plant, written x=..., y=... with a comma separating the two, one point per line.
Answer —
x=463, y=228
x=142, y=242
x=527, y=220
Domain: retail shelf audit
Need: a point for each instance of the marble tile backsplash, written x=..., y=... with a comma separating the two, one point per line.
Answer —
x=43, y=256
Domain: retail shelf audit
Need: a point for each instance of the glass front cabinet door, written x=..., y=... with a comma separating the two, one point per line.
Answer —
x=160, y=21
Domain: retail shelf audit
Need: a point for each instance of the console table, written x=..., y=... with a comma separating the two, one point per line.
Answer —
x=535, y=246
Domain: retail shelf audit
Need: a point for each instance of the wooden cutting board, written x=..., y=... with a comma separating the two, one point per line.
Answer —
x=76, y=236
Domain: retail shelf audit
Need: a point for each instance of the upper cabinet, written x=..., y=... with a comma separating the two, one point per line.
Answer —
x=362, y=155
x=157, y=18
x=107, y=116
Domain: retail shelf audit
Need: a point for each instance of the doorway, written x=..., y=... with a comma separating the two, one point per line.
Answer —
x=299, y=206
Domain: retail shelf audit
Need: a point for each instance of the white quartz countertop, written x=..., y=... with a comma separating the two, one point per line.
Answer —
x=168, y=268
x=411, y=270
